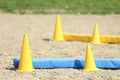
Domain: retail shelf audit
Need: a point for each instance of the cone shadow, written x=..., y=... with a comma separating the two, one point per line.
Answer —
x=10, y=68
x=46, y=39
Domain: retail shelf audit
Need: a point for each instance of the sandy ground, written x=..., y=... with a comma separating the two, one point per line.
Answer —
x=40, y=30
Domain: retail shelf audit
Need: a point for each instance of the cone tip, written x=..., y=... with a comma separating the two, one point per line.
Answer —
x=88, y=44
x=25, y=35
x=96, y=25
x=57, y=15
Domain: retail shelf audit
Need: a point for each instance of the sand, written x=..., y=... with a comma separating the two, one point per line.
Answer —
x=39, y=29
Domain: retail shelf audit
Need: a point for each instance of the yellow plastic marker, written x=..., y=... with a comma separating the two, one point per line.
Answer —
x=25, y=63
x=95, y=36
x=88, y=37
x=58, y=35
x=89, y=64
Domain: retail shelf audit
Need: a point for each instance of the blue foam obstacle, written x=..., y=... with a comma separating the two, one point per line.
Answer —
x=111, y=63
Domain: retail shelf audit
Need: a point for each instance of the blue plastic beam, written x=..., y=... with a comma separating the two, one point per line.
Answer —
x=112, y=63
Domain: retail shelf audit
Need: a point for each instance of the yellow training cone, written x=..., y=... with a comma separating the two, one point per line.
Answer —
x=58, y=36
x=95, y=36
x=89, y=64
x=25, y=63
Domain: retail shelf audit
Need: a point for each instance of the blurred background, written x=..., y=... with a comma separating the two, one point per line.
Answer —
x=61, y=6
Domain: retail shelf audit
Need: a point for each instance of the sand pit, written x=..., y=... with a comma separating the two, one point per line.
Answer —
x=40, y=32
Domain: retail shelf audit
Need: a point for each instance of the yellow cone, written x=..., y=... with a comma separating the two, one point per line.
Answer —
x=58, y=35
x=25, y=63
x=89, y=64
x=95, y=36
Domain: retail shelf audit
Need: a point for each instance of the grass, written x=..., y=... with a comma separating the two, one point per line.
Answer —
x=61, y=6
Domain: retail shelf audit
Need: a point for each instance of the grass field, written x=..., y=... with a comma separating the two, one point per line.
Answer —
x=61, y=6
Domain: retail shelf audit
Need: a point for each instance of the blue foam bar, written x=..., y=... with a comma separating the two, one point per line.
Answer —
x=70, y=63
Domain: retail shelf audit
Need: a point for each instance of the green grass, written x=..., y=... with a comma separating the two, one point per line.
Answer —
x=61, y=6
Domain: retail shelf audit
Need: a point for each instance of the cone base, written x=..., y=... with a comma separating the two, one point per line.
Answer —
x=26, y=70
x=95, y=42
x=58, y=40
x=95, y=69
